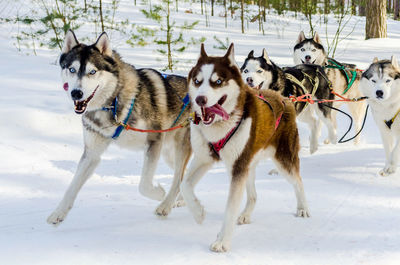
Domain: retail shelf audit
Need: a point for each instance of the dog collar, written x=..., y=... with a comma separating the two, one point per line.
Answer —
x=217, y=146
x=390, y=122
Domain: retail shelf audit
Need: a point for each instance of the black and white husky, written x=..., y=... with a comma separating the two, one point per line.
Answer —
x=311, y=51
x=261, y=73
x=107, y=91
x=381, y=84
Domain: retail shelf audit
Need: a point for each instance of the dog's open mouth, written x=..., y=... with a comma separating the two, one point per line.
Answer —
x=256, y=87
x=308, y=61
x=208, y=113
x=80, y=106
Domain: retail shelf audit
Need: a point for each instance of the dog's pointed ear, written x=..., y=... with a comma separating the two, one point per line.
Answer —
x=230, y=55
x=266, y=57
x=70, y=41
x=301, y=37
x=103, y=44
x=316, y=38
x=251, y=54
x=375, y=60
x=203, y=53
x=394, y=61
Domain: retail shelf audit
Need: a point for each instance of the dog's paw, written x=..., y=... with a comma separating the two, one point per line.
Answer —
x=56, y=218
x=273, y=172
x=243, y=219
x=388, y=170
x=305, y=213
x=220, y=246
x=163, y=210
x=199, y=214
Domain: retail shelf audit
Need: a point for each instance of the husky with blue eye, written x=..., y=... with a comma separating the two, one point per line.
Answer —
x=108, y=92
x=240, y=127
x=344, y=77
x=381, y=84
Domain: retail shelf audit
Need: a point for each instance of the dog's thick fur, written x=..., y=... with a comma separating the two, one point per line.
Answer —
x=94, y=75
x=381, y=84
x=262, y=73
x=216, y=83
x=311, y=51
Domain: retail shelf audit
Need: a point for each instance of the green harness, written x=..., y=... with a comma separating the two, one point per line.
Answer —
x=350, y=81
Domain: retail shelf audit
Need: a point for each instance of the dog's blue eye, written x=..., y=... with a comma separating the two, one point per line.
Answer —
x=303, y=50
x=246, y=71
x=196, y=81
x=92, y=72
x=72, y=70
x=218, y=82
x=259, y=71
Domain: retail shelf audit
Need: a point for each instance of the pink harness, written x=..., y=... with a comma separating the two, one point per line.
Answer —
x=217, y=146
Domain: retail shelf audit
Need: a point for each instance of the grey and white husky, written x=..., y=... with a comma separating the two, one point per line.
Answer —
x=381, y=84
x=261, y=73
x=311, y=51
x=107, y=91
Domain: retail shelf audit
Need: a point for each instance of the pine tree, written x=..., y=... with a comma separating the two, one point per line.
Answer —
x=376, y=26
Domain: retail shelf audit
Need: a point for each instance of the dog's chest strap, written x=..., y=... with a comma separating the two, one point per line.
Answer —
x=217, y=146
x=390, y=122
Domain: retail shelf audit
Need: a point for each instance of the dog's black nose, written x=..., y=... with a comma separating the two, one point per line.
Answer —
x=379, y=93
x=201, y=101
x=308, y=57
x=76, y=94
x=249, y=80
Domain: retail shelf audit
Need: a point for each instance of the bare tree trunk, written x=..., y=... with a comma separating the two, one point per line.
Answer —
x=376, y=26
x=225, y=14
x=242, y=14
x=101, y=16
x=264, y=11
x=396, y=9
x=212, y=8
x=201, y=2
x=353, y=7
x=361, y=8
x=231, y=7
x=170, y=65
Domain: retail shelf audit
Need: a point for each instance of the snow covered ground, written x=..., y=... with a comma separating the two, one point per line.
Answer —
x=355, y=213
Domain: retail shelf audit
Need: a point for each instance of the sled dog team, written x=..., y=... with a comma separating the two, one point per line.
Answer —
x=240, y=115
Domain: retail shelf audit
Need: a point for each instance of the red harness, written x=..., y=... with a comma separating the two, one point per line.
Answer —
x=218, y=145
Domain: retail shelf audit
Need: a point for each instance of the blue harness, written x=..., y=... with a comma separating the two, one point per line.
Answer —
x=121, y=127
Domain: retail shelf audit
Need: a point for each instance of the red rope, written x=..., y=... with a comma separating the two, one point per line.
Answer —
x=127, y=127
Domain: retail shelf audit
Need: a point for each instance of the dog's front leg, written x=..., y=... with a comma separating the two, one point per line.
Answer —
x=94, y=148
x=198, y=167
x=223, y=242
x=387, y=140
x=391, y=164
x=151, y=157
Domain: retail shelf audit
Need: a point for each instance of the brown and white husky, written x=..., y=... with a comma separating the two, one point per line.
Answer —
x=235, y=125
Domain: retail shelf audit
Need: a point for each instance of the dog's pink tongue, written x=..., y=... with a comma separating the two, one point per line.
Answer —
x=217, y=109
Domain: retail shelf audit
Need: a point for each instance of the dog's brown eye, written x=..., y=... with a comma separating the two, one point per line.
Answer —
x=373, y=81
x=259, y=71
x=303, y=50
x=314, y=50
x=387, y=81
